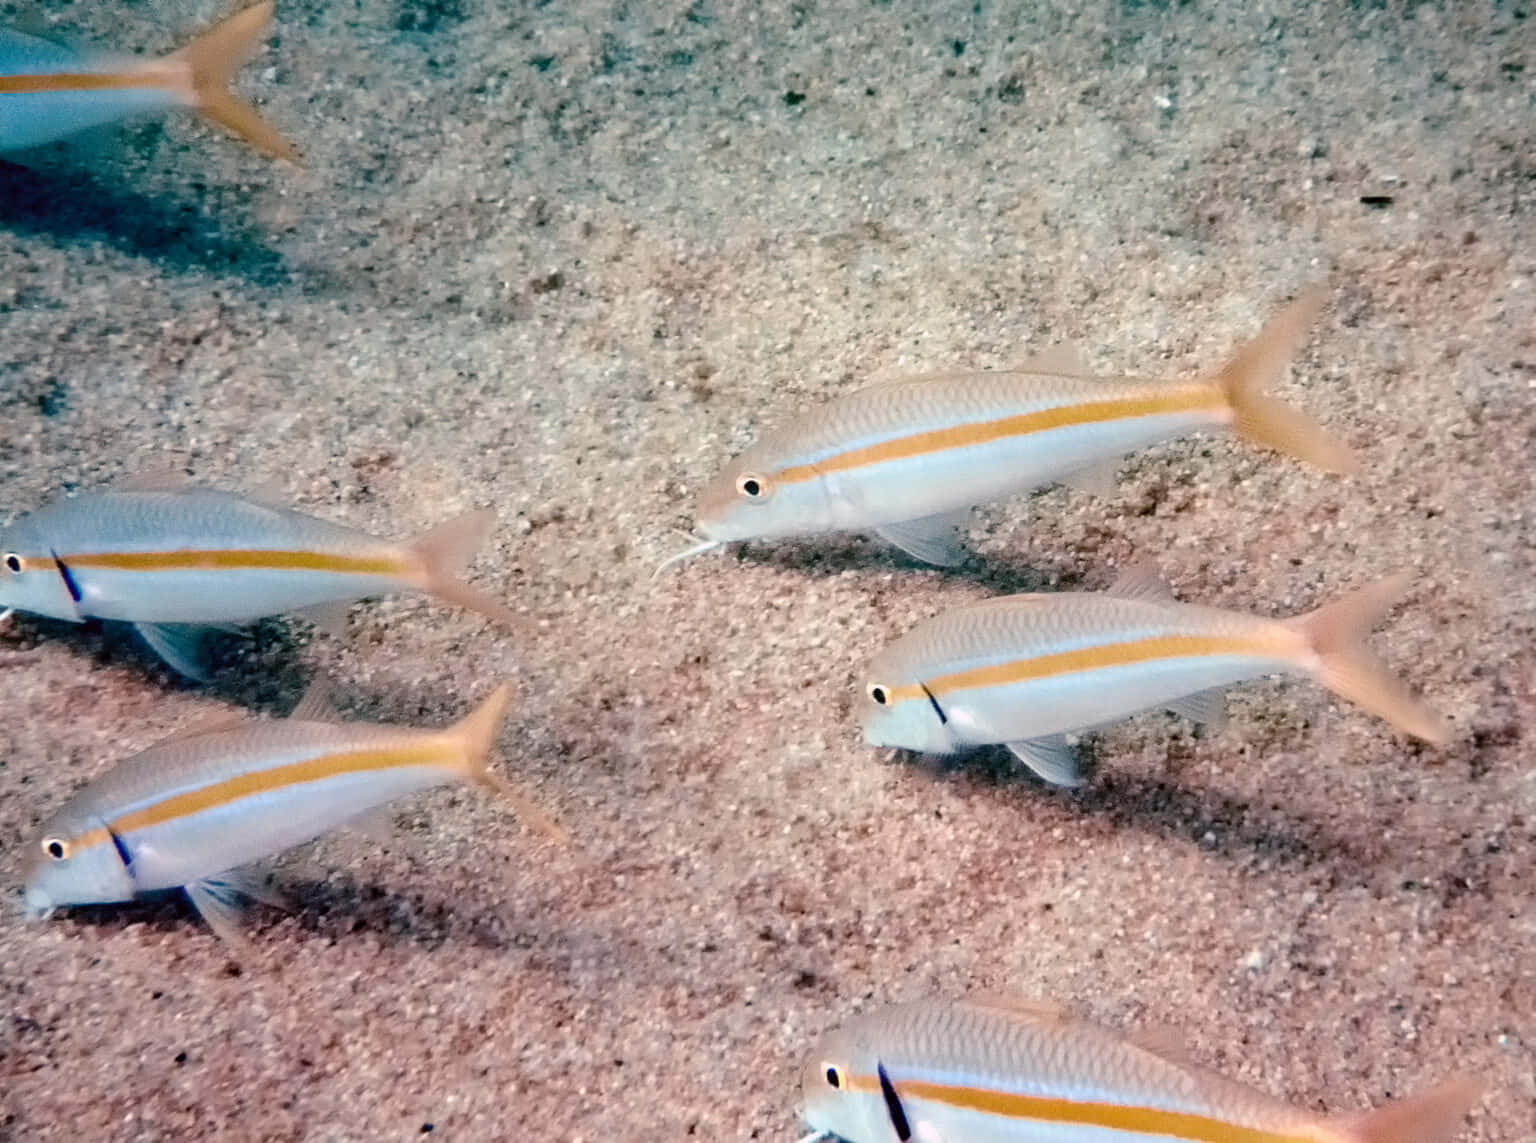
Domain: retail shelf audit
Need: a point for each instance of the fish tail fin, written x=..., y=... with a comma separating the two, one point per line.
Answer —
x=1429, y=1117
x=477, y=732
x=445, y=552
x=213, y=58
x=1336, y=633
x=1270, y=422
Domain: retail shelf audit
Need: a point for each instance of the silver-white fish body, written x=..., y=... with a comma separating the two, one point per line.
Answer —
x=908, y=458
x=991, y=1070
x=198, y=805
x=1032, y=666
x=188, y=556
x=32, y=118
x=932, y=446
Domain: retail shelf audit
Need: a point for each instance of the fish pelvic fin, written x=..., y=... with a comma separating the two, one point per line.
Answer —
x=444, y=553
x=477, y=733
x=213, y=59
x=1430, y=1117
x=1336, y=634
x=1265, y=420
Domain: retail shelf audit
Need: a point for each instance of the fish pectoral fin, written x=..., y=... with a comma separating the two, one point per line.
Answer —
x=1209, y=708
x=1101, y=479
x=1141, y=580
x=932, y=539
x=220, y=901
x=182, y=645
x=1051, y=758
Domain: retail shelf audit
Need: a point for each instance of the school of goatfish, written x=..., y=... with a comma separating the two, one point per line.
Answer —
x=907, y=460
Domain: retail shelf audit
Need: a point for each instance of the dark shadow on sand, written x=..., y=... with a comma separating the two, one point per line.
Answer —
x=836, y=553
x=336, y=909
x=1230, y=827
x=70, y=206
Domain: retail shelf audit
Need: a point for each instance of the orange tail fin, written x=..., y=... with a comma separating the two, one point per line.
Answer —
x=478, y=731
x=445, y=551
x=1273, y=423
x=1336, y=632
x=1429, y=1117
x=214, y=57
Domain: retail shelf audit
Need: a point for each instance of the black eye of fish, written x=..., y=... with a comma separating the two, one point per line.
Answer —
x=13, y=563
x=751, y=487
x=878, y=693
x=54, y=848
x=833, y=1079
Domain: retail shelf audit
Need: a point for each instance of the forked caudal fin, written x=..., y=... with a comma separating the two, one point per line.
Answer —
x=1336, y=633
x=213, y=58
x=443, y=554
x=1266, y=421
x=477, y=731
x=1430, y=1117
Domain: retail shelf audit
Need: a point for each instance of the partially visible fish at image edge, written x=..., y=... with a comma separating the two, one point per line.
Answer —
x=1002, y=1070
x=49, y=91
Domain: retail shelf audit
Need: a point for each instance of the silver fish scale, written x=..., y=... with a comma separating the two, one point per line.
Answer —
x=900, y=408
x=1055, y=1056
x=203, y=760
x=150, y=521
x=1021, y=625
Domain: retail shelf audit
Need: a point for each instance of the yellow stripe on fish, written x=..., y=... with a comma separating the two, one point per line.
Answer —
x=31, y=84
x=445, y=753
x=1096, y=658
x=239, y=558
x=1085, y=1113
x=1001, y=1069
x=907, y=460
x=1201, y=398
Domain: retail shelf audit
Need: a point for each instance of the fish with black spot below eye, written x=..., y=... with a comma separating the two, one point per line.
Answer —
x=991, y=1069
x=176, y=561
x=1026, y=670
x=909, y=458
x=189, y=811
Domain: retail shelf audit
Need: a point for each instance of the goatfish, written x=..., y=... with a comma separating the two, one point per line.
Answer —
x=908, y=459
x=1000, y=1070
x=49, y=91
x=188, y=812
x=175, y=562
x=1026, y=670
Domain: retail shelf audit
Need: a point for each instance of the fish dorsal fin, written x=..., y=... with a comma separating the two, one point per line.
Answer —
x=1141, y=581
x=1064, y=360
x=165, y=477
x=208, y=724
x=1165, y=1043
x=316, y=705
x=1022, y=1008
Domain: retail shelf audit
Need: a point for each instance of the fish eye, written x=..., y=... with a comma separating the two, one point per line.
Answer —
x=13, y=563
x=879, y=694
x=56, y=848
x=834, y=1077
x=752, y=487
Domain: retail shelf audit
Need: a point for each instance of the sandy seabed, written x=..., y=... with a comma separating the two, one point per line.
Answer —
x=565, y=261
